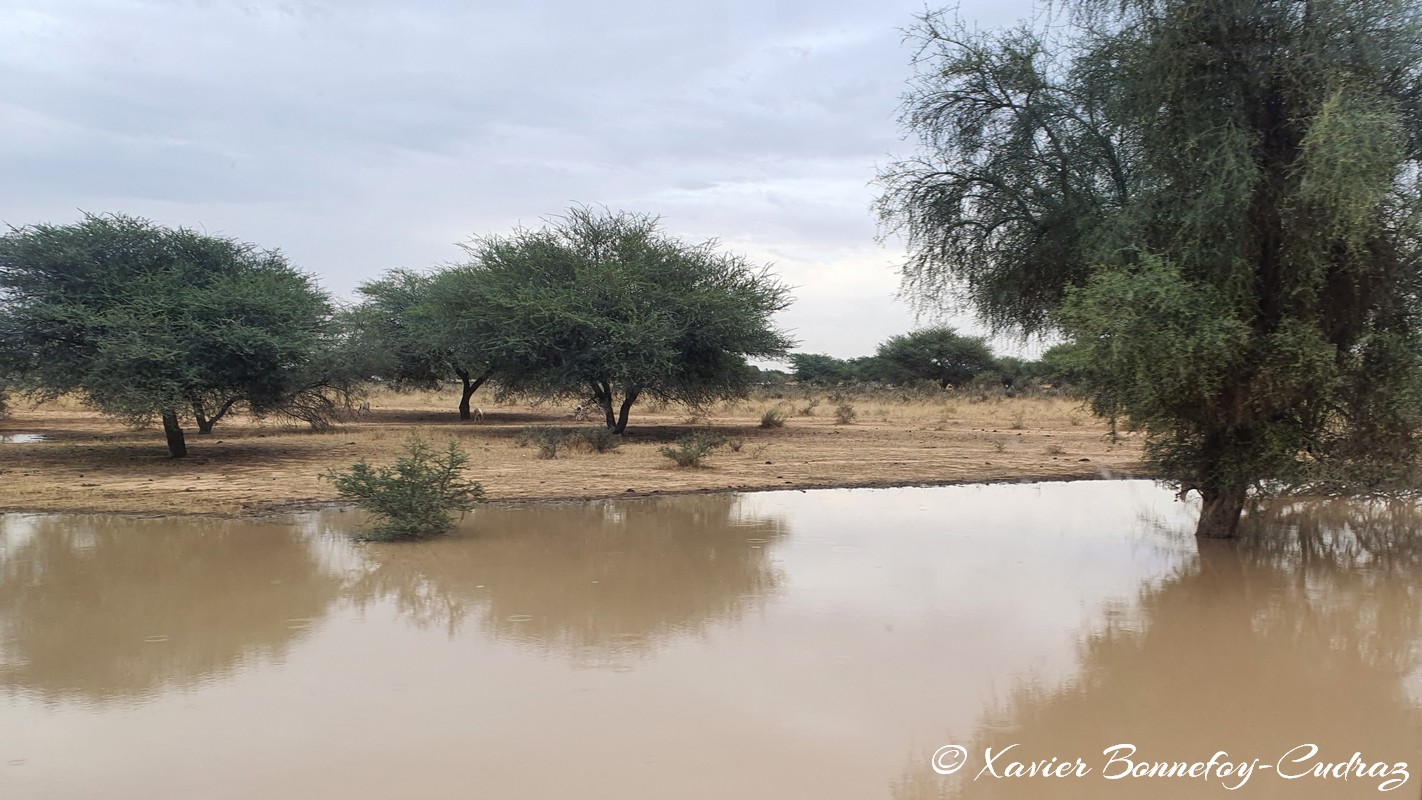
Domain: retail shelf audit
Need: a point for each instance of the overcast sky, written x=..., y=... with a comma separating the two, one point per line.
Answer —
x=360, y=136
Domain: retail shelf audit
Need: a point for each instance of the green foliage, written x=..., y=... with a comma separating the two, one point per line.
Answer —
x=844, y=414
x=1216, y=201
x=1068, y=363
x=143, y=321
x=821, y=369
x=393, y=333
x=773, y=418
x=937, y=354
x=610, y=305
x=768, y=377
x=414, y=499
x=402, y=336
x=692, y=450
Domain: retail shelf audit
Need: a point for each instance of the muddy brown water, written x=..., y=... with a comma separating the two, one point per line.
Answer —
x=822, y=644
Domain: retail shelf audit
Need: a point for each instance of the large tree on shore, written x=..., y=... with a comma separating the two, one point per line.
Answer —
x=406, y=345
x=1218, y=200
x=607, y=306
x=146, y=322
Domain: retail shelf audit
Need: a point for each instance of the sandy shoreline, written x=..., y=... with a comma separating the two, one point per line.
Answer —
x=87, y=464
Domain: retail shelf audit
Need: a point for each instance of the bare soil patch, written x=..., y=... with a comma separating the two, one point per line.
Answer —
x=89, y=463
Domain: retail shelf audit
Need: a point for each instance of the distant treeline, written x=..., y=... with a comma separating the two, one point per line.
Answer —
x=939, y=356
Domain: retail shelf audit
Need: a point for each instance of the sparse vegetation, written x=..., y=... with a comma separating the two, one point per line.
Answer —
x=773, y=418
x=691, y=451
x=844, y=414
x=593, y=440
x=550, y=440
x=545, y=437
x=258, y=465
x=414, y=499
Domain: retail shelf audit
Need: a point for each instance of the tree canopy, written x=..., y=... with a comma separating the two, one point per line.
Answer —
x=1217, y=200
x=939, y=354
x=404, y=342
x=148, y=322
x=607, y=306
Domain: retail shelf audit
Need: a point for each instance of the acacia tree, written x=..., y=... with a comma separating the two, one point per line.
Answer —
x=939, y=354
x=1218, y=200
x=821, y=368
x=143, y=321
x=406, y=345
x=606, y=305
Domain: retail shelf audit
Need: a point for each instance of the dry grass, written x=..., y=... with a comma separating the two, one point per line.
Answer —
x=90, y=463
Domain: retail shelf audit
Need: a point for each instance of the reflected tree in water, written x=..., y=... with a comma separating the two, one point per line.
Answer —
x=1305, y=631
x=99, y=609
x=597, y=580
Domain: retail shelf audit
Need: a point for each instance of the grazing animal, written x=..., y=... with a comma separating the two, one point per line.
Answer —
x=364, y=407
x=477, y=415
x=580, y=413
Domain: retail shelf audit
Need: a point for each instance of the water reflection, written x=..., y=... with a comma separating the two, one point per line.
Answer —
x=594, y=580
x=1307, y=631
x=812, y=662
x=104, y=609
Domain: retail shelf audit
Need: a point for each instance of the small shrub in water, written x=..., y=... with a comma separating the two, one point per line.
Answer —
x=415, y=498
x=689, y=451
x=774, y=418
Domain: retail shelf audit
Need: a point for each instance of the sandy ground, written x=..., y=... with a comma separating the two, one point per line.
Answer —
x=89, y=463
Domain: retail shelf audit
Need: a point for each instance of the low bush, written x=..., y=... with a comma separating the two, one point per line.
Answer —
x=844, y=414
x=546, y=438
x=773, y=418
x=416, y=497
x=690, y=451
x=549, y=440
x=599, y=439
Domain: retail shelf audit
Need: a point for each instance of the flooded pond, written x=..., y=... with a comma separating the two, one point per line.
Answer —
x=827, y=644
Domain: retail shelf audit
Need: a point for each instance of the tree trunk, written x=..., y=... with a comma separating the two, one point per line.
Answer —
x=205, y=422
x=467, y=393
x=177, y=445
x=470, y=387
x=1220, y=513
x=627, y=401
x=602, y=393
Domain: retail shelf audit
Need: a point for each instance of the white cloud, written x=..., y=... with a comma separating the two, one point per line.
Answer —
x=359, y=136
